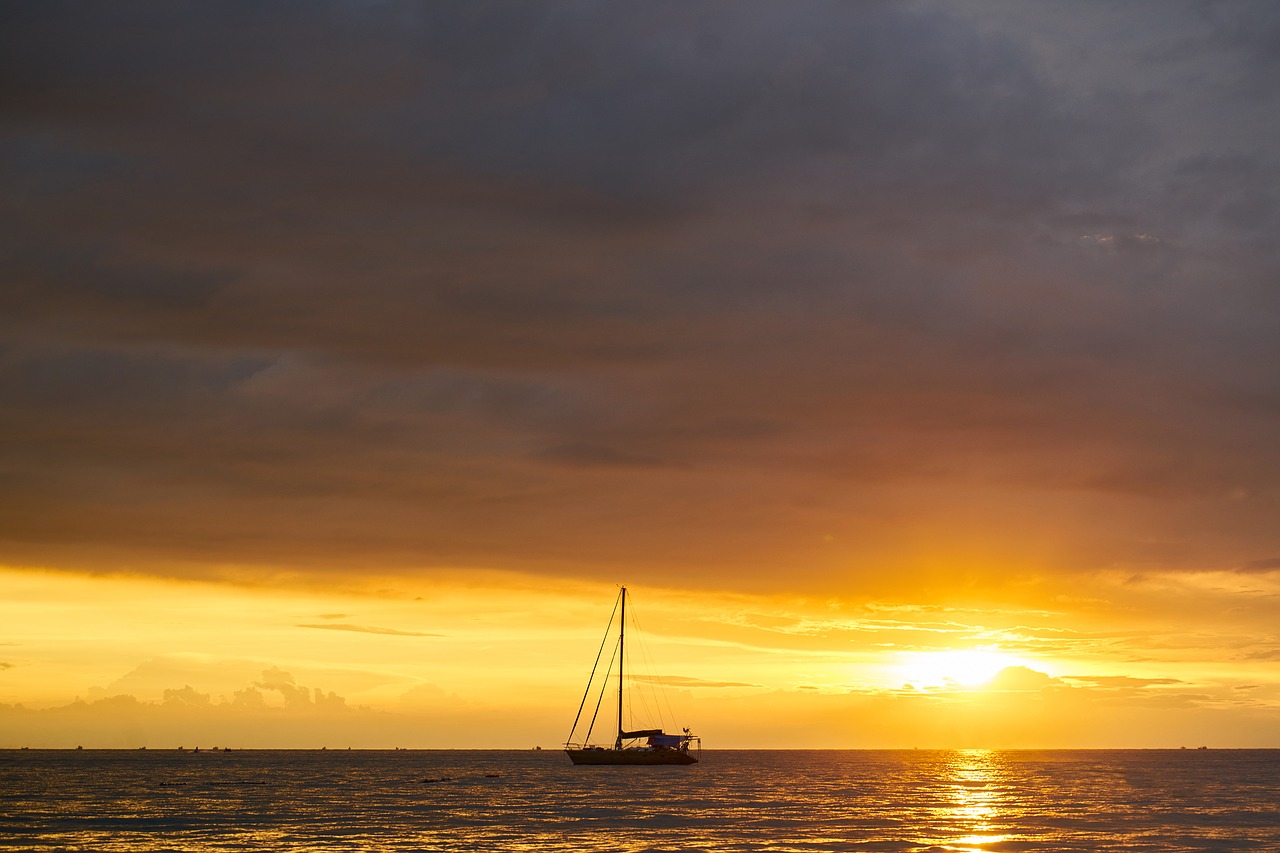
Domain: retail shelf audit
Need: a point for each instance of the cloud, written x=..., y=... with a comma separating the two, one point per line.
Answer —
x=187, y=696
x=1020, y=678
x=153, y=676
x=295, y=696
x=685, y=681
x=1031, y=711
x=591, y=456
x=249, y=698
x=523, y=284
x=429, y=696
x=368, y=629
x=1260, y=566
x=254, y=718
x=1120, y=682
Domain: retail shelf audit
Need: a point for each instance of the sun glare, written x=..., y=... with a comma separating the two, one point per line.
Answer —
x=964, y=667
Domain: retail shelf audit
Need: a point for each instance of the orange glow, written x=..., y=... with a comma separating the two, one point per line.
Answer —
x=498, y=660
x=967, y=667
x=339, y=394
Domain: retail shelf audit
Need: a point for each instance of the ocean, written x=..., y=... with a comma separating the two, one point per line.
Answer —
x=777, y=801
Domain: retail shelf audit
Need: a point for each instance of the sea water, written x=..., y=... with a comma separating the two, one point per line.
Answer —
x=777, y=801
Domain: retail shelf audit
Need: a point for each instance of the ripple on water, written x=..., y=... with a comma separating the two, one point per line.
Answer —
x=781, y=802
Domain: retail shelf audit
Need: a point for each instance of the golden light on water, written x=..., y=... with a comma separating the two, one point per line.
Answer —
x=976, y=807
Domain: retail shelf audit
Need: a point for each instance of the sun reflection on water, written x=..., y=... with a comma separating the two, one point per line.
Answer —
x=976, y=807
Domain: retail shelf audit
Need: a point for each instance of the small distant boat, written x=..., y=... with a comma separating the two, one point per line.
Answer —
x=643, y=746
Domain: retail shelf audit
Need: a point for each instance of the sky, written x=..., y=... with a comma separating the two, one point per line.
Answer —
x=915, y=365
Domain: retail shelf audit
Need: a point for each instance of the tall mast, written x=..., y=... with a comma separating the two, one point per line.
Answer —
x=622, y=656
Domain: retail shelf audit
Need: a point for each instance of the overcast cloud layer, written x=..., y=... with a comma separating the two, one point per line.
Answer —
x=731, y=293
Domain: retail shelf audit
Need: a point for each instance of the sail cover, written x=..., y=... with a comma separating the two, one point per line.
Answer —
x=645, y=733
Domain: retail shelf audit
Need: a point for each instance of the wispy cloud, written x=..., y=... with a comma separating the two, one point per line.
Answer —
x=368, y=629
x=1120, y=682
x=684, y=681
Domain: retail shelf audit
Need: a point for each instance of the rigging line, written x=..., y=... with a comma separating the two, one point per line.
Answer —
x=658, y=684
x=603, y=688
x=667, y=701
x=587, y=692
x=661, y=691
x=654, y=684
x=643, y=687
x=657, y=687
x=645, y=718
x=631, y=694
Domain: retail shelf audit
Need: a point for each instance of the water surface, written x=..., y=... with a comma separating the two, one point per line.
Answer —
x=779, y=801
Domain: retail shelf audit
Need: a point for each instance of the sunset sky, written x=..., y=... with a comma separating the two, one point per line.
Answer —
x=916, y=365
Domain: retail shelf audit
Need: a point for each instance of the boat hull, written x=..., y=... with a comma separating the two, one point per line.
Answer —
x=630, y=756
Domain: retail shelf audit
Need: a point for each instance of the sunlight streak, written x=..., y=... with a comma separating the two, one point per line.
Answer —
x=963, y=667
x=976, y=807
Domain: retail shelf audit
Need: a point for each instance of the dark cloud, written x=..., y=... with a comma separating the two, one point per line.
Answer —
x=670, y=285
x=593, y=455
x=1261, y=566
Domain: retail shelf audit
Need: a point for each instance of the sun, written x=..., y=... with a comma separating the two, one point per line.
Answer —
x=963, y=667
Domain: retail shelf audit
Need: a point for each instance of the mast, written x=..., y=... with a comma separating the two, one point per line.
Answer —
x=622, y=656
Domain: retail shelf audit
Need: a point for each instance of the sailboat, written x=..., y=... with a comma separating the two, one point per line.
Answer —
x=644, y=746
